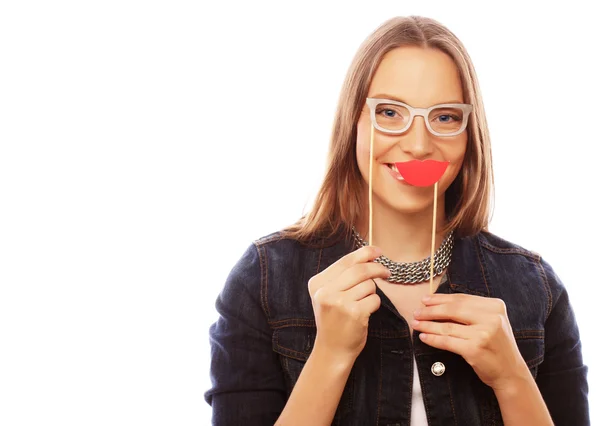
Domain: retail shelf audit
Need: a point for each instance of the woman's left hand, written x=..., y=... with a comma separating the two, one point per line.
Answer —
x=476, y=328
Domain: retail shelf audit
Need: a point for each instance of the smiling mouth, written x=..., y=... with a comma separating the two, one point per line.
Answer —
x=392, y=166
x=394, y=171
x=422, y=173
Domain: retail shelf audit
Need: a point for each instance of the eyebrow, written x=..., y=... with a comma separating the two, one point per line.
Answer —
x=395, y=98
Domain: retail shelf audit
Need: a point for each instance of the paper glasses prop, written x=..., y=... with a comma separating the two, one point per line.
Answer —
x=416, y=172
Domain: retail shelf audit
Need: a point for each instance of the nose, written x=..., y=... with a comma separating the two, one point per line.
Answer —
x=417, y=139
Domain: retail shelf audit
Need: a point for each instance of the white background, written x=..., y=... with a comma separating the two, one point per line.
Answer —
x=145, y=144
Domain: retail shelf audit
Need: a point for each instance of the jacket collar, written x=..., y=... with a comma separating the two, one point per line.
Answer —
x=467, y=272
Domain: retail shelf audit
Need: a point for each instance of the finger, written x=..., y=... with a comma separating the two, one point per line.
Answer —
x=370, y=303
x=487, y=304
x=456, y=312
x=362, y=255
x=359, y=273
x=362, y=290
x=448, y=343
x=444, y=329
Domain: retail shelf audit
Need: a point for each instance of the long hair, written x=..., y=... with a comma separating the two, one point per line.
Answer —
x=338, y=203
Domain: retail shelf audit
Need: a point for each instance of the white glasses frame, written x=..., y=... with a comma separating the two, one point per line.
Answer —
x=372, y=103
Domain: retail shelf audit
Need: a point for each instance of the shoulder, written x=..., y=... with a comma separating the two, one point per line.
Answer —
x=275, y=239
x=269, y=247
x=276, y=245
x=281, y=238
x=261, y=264
x=278, y=252
x=496, y=260
x=499, y=248
x=510, y=259
x=272, y=255
x=285, y=266
x=494, y=244
x=274, y=242
x=282, y=248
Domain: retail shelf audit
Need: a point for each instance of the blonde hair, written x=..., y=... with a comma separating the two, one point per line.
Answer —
x=339, y=202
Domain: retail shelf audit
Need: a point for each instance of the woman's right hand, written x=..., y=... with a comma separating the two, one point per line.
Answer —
x=343, y=298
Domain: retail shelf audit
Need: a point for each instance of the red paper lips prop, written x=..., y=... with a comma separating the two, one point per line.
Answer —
x=422, y=173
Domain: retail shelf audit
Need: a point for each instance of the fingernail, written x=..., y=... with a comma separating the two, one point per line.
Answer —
x=426, y=298
x=423, y=336
x=415, y=323
x=417, y=312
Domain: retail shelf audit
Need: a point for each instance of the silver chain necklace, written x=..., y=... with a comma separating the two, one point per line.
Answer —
x=414, y=272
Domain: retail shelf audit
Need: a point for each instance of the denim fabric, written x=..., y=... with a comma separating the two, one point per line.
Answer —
x=266, y=331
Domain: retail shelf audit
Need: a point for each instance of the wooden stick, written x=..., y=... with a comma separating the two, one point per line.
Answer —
x=371, y=187
x=435, y=192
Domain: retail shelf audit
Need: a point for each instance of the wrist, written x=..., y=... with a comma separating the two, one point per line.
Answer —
x=521, y=402
x=336, y=360
x=512, y=385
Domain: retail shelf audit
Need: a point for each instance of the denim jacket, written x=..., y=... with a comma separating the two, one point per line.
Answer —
x=266, y=331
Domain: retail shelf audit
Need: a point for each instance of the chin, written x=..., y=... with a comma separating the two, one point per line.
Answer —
x=408, y=205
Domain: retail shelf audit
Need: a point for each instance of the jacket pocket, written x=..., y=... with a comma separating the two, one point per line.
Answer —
x=294, y=344
x=531, y=347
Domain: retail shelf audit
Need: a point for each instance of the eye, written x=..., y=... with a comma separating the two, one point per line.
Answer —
x=447, y=118
x=387, y=112
x=391, y=112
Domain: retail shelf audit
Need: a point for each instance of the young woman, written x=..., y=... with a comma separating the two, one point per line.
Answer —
x=317, y=327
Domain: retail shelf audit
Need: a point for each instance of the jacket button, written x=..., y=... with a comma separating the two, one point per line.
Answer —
x=438, y=368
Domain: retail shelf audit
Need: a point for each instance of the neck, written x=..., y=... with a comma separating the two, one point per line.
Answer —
x=403, y=237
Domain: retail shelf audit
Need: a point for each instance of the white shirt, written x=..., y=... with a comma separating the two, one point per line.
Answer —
x=417, y=407
x=418, y=417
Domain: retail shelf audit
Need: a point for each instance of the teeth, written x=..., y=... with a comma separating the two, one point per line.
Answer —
x=393, y=167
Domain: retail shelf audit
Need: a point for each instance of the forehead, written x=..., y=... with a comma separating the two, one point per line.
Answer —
x=419, y=76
